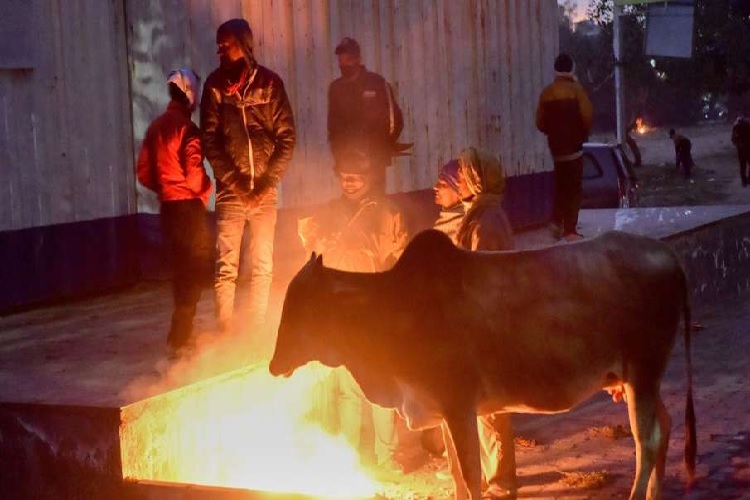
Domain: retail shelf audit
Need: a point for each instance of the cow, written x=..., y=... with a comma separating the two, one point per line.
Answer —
x=448, y=334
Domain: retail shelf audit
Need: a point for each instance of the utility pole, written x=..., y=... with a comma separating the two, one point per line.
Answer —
x=619, y=83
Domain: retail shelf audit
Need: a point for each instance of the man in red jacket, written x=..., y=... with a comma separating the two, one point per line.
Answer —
x=171, y=164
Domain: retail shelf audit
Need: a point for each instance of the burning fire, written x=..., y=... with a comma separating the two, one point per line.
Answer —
x=249, y=431
x=640, y=126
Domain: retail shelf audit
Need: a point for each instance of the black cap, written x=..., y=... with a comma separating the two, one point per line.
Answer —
x=348, y=46
x=564, y=63
x=352, y=159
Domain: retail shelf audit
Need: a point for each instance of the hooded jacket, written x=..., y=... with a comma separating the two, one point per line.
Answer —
x=565, y=114
x=485, y=226
x=170, y=162
x=247, y=126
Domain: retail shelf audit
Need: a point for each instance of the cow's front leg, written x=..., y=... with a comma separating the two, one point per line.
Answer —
x=461, y=493
x=462, y=444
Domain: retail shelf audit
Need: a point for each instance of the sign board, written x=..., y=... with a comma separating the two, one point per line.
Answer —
x=669, y=29
x=17, y=34
x=638, y=2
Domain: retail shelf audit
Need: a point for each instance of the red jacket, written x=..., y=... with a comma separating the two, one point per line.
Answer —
x=171, y=159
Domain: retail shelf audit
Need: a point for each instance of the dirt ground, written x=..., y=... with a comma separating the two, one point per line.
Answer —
x=715, y=177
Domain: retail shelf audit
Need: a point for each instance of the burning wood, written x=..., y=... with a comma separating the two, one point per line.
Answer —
x=640, y=126
x=245, y=430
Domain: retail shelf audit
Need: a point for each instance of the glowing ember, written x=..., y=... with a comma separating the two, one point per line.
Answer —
x=252, y=432
x=640, y=126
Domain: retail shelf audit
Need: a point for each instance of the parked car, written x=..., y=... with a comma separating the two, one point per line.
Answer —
x=609, y=180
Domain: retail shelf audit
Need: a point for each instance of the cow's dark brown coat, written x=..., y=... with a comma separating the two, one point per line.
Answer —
x=448, y=333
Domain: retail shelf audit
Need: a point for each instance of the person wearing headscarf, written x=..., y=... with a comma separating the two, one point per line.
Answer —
x=448, y=197
x=486, y=227
x=170, y=163
x=248, y=136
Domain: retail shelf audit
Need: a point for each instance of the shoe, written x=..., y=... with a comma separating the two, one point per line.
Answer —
x=555, y=228
x=444, y=474
x=496, y=491
x=175, y=353
x=389, y=471
x=574, y=236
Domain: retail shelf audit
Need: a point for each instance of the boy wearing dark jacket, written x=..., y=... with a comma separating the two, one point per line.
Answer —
x=565, y=114
x=171, y=164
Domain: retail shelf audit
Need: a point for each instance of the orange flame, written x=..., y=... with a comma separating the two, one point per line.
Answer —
x=640, y=126
x=250, y=431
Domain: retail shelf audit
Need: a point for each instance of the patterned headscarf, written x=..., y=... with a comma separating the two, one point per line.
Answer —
x=483, y=172
x=450, y=173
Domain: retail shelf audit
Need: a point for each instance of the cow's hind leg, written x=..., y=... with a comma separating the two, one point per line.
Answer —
x=664, y=424
x=649, y=423
x=462, y=443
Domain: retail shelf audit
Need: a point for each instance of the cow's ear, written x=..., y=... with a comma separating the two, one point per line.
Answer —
x=319, y=260
x=312, y=258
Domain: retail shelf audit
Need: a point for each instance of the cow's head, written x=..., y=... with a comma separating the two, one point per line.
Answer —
x=304, y=332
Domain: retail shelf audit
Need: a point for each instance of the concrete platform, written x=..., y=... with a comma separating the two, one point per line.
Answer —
x=72, y=376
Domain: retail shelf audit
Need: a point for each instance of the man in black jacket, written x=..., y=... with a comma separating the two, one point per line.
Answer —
x=248, y=137
x=683, y=158
x=741, y=140
x=363, y=113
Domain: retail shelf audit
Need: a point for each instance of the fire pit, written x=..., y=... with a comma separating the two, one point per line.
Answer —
x=243, y=430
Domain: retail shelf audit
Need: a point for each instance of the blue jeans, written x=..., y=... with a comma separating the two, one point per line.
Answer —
x=233, y=217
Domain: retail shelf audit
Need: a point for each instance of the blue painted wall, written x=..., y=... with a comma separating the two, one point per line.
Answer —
x=65, y=261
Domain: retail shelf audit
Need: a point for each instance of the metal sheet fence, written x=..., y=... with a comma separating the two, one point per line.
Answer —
x=465, y=73
x=71, y=121
x=65, y=127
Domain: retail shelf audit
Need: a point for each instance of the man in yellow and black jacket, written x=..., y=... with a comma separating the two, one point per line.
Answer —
x=564, y=114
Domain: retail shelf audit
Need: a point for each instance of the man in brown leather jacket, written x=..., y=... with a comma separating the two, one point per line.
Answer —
x=248, y=138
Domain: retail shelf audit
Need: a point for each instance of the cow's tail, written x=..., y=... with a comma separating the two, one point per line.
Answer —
x=691, y=445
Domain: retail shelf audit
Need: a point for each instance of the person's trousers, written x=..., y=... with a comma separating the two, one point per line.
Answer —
x=233, y=218
x=684, y=160
x=567, y=194
x=355, y=410
x=186, y=229
x=744, y=158
x=497, y=450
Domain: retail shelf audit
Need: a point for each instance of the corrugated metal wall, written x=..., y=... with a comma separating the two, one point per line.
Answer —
x=65, y=127
x=465, y=73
